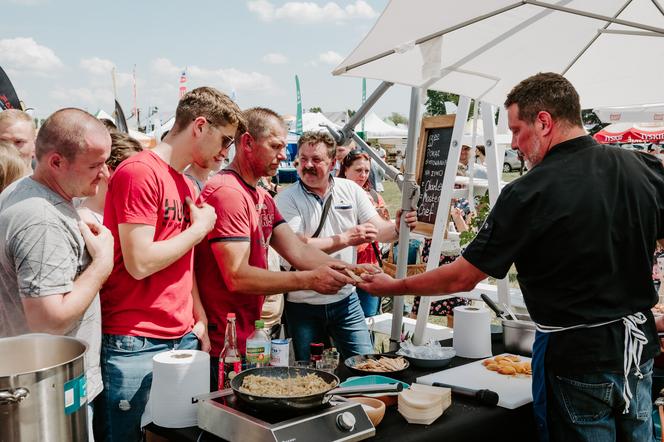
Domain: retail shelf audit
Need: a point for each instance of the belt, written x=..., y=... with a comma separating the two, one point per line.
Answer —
x=635, y=340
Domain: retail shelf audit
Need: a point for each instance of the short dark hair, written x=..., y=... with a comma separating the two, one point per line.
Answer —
x=207, y=102
x=312, y=137
x=64, y=132
x=550, y=92
x=257, y=121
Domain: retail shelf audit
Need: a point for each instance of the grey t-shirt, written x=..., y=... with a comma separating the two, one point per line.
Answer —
x=42, y=252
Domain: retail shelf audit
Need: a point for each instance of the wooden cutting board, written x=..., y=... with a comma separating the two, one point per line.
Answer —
x=513, y=391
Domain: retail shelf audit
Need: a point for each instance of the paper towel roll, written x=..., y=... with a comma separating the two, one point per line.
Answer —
x=472, y=332
x=177, y=376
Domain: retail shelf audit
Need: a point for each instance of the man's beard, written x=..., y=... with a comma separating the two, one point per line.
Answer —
x=309, y=172
x=535, y=155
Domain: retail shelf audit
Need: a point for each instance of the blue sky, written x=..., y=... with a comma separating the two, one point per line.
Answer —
x=60, y=53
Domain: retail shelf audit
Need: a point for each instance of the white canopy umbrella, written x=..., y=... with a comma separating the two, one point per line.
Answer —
x=632, y=114
x=482, y=48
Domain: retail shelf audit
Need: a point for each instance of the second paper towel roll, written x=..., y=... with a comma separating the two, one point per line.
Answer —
x=177, y=376
x=472, y=332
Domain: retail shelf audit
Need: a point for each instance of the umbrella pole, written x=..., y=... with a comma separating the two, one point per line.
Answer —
x=410, y=194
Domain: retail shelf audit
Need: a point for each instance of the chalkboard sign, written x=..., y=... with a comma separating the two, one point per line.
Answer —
x=433, y=150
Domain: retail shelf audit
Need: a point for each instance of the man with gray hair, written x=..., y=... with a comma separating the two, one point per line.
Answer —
x=18, y=128
x=52, y=263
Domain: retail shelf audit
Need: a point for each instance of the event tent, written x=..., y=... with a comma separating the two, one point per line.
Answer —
x=621, y=133
x=145, y=139
x=482, y=48
x=374, y=127
x=311, y=121
x=634, y=114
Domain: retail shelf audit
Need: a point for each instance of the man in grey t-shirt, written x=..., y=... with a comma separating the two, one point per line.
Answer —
x=51, y=264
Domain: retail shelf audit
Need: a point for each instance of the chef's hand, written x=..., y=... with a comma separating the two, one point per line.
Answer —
x=410, y=218
x=381, y=284
x=328, y=279
x=360, y=234
x=370, y=269
x=201, y=332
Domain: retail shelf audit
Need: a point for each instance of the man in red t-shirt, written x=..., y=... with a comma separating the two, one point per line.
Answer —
x=150, y=302
x=231, y=262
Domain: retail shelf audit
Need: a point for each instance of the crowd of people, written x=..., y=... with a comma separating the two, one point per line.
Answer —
x=140, y=251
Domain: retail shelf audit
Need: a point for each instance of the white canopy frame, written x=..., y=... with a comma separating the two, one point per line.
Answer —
x=493, y=86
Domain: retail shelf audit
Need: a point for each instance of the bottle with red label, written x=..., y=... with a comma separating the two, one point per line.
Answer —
x=315, y=353
x=230, y=360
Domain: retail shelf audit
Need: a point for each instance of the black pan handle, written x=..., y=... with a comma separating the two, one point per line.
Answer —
x=492, y=305
x=364, y=389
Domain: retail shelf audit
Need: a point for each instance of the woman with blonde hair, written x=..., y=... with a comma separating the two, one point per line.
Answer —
x=12, y=166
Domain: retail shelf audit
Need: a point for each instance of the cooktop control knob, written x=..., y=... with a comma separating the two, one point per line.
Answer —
x=346, y=421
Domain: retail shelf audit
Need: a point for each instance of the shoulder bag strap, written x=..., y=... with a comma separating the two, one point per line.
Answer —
x=326, y=208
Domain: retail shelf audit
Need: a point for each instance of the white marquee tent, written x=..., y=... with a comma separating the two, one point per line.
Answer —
x=374, y=127
x=311, y=121
x=482, y=48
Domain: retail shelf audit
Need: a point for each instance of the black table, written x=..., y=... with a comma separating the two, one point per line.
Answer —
x=464, y=420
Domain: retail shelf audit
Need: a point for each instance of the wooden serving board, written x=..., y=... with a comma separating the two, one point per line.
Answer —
x=513, y=391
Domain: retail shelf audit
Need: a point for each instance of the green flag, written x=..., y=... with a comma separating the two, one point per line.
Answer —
x=298, y=116
x=364, y=98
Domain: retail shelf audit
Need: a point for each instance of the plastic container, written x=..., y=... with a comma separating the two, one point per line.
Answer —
x=259, y=347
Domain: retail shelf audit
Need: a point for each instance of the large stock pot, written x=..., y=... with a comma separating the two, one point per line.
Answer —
x=42, y=389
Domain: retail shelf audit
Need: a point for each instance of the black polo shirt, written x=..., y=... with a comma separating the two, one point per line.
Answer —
x=581, y=229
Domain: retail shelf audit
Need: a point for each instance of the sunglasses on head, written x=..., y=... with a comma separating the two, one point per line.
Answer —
x=354, y=154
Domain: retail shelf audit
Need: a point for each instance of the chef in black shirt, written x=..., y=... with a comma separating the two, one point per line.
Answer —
x=581, y=228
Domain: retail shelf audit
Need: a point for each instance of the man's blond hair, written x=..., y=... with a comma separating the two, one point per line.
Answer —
x=10, y=116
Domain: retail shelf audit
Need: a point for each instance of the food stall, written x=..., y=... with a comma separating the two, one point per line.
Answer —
x=465, y=420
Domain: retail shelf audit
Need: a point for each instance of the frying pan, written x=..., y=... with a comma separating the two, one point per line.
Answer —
x=299, y=403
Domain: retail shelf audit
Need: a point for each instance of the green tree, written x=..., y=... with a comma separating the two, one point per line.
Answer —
x=397, y=118
x=316, y=110
x=435, y=103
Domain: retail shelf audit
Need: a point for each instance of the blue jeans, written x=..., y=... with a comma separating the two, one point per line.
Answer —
x=343, y=321
x=590, y=407
x=126, y=368
x=370, y=303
